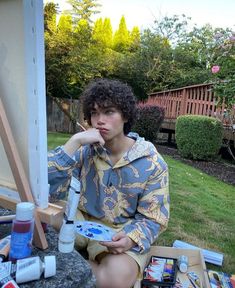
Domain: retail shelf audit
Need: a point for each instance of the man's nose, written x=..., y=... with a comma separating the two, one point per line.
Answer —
x=101, y=118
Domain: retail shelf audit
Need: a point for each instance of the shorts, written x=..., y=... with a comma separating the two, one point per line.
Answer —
x=94, y=248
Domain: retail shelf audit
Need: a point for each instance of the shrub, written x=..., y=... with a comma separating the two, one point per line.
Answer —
x=198, y=137
x=150, y=118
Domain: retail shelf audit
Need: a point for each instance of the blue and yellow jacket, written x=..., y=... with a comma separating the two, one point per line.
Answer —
x=132, y=194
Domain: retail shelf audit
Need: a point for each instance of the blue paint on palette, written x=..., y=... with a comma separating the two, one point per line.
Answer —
x=94, y=231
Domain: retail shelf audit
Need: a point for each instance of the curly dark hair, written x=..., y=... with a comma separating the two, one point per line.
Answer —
x=107, y=92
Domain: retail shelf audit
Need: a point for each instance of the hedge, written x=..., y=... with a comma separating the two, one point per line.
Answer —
x=150, y=118
x=198, y=137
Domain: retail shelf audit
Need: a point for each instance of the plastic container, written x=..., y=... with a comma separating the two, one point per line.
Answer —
x=66, y=237
x=22, y=231
x=29, y=269
x=183, y=263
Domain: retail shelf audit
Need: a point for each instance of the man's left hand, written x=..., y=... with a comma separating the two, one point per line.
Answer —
x=119, y=244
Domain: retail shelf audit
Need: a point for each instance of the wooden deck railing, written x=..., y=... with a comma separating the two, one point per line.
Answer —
x=195, y=100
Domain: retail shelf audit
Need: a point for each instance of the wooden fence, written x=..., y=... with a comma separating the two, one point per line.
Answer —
x=195, y=100
x=57, y=115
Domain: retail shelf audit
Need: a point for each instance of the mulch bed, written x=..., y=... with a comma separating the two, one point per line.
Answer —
x=222, y=171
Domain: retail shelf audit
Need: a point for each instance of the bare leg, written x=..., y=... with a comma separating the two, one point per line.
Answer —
x=116, y=271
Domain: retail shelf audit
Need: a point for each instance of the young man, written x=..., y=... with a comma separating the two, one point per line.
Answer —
x=124, y=183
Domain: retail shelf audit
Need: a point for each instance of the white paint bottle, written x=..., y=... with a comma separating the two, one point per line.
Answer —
x=66, y=237
x=183, y=263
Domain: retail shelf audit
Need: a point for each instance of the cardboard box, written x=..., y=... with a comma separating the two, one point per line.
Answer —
x=195, y=259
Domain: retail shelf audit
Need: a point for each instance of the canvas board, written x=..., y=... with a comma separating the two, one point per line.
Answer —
x=22, y=90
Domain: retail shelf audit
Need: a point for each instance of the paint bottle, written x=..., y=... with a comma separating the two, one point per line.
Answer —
x=4, y=248
x=29, y=269
x=66, y=237
x=22, y=231
x=183, y=263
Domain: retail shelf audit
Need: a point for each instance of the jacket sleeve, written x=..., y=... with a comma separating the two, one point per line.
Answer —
x=60, y=170
x=152, y=212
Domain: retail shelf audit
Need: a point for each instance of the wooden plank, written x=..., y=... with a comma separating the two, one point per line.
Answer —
x=19, y=174
x=52, y=215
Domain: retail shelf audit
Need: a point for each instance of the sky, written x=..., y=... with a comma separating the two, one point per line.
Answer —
x=142, y=13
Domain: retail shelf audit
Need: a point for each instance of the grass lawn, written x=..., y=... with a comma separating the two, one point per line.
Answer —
x=202, y=209
x=55, y=139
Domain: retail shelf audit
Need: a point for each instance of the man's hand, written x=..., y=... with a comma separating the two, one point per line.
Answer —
x=90, y=136
x=121, y=243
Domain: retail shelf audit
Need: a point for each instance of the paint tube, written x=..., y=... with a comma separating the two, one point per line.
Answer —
x=5, y=279
x=4, y=247
x=29, y=269
x=73, y=199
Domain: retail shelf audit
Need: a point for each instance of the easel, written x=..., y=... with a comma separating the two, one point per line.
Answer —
x=53, y=213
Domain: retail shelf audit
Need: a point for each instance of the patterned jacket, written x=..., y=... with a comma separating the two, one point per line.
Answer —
x=133, y=193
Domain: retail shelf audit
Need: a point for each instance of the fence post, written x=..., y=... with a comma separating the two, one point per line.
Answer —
x=183, y=102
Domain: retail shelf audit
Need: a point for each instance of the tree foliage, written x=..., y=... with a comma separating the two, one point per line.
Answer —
x=170, y=55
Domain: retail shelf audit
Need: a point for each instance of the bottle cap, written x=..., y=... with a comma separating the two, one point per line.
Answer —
x=50, y=266
x=24, y=211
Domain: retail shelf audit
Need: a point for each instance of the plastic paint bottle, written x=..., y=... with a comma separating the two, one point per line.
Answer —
x=66, y=237
x=29, y=269
x=4, y=247
x=183, y=263
x=22, y=231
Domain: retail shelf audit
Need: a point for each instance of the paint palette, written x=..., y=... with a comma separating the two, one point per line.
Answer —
x=94, y=231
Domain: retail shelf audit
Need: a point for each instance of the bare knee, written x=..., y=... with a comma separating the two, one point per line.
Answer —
x=116, y=271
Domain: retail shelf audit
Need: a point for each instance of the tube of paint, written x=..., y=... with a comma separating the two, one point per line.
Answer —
x=73, y=199
x=4, y=247
x=29, y=269
x=6, y=280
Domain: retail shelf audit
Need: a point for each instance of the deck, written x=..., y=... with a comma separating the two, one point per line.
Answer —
x=194, y=100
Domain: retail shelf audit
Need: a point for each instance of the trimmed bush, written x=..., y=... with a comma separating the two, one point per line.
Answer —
x=149, y=120
x=198, y=137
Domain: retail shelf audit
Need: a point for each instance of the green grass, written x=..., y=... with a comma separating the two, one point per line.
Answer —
x=202, y=212
x=55, y=139
x=202, y=209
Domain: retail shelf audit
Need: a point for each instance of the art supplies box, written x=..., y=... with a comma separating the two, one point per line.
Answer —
x=196, y=263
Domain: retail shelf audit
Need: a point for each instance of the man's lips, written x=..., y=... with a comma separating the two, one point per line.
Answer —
x=103, y=130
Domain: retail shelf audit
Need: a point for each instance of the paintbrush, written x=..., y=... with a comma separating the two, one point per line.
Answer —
x=6, y=219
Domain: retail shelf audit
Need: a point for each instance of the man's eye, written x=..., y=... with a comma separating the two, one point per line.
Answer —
x=93, y=112
x=109, y=112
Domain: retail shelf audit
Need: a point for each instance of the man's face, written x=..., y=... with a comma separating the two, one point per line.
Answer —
x=108, y=120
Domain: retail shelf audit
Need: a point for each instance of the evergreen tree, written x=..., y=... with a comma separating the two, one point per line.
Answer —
x=135, y=39
x=102, y=32
x=84, y=9
x=108, y=33
x=65, y=24
x=50, y=11
x=121, y=40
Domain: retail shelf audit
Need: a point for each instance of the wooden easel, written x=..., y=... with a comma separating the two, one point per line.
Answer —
x=41, y=215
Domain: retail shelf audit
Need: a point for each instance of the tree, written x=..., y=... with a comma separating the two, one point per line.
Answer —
x=83, y=9
x=121, y=40
x=224, y=75
x=134, y=39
